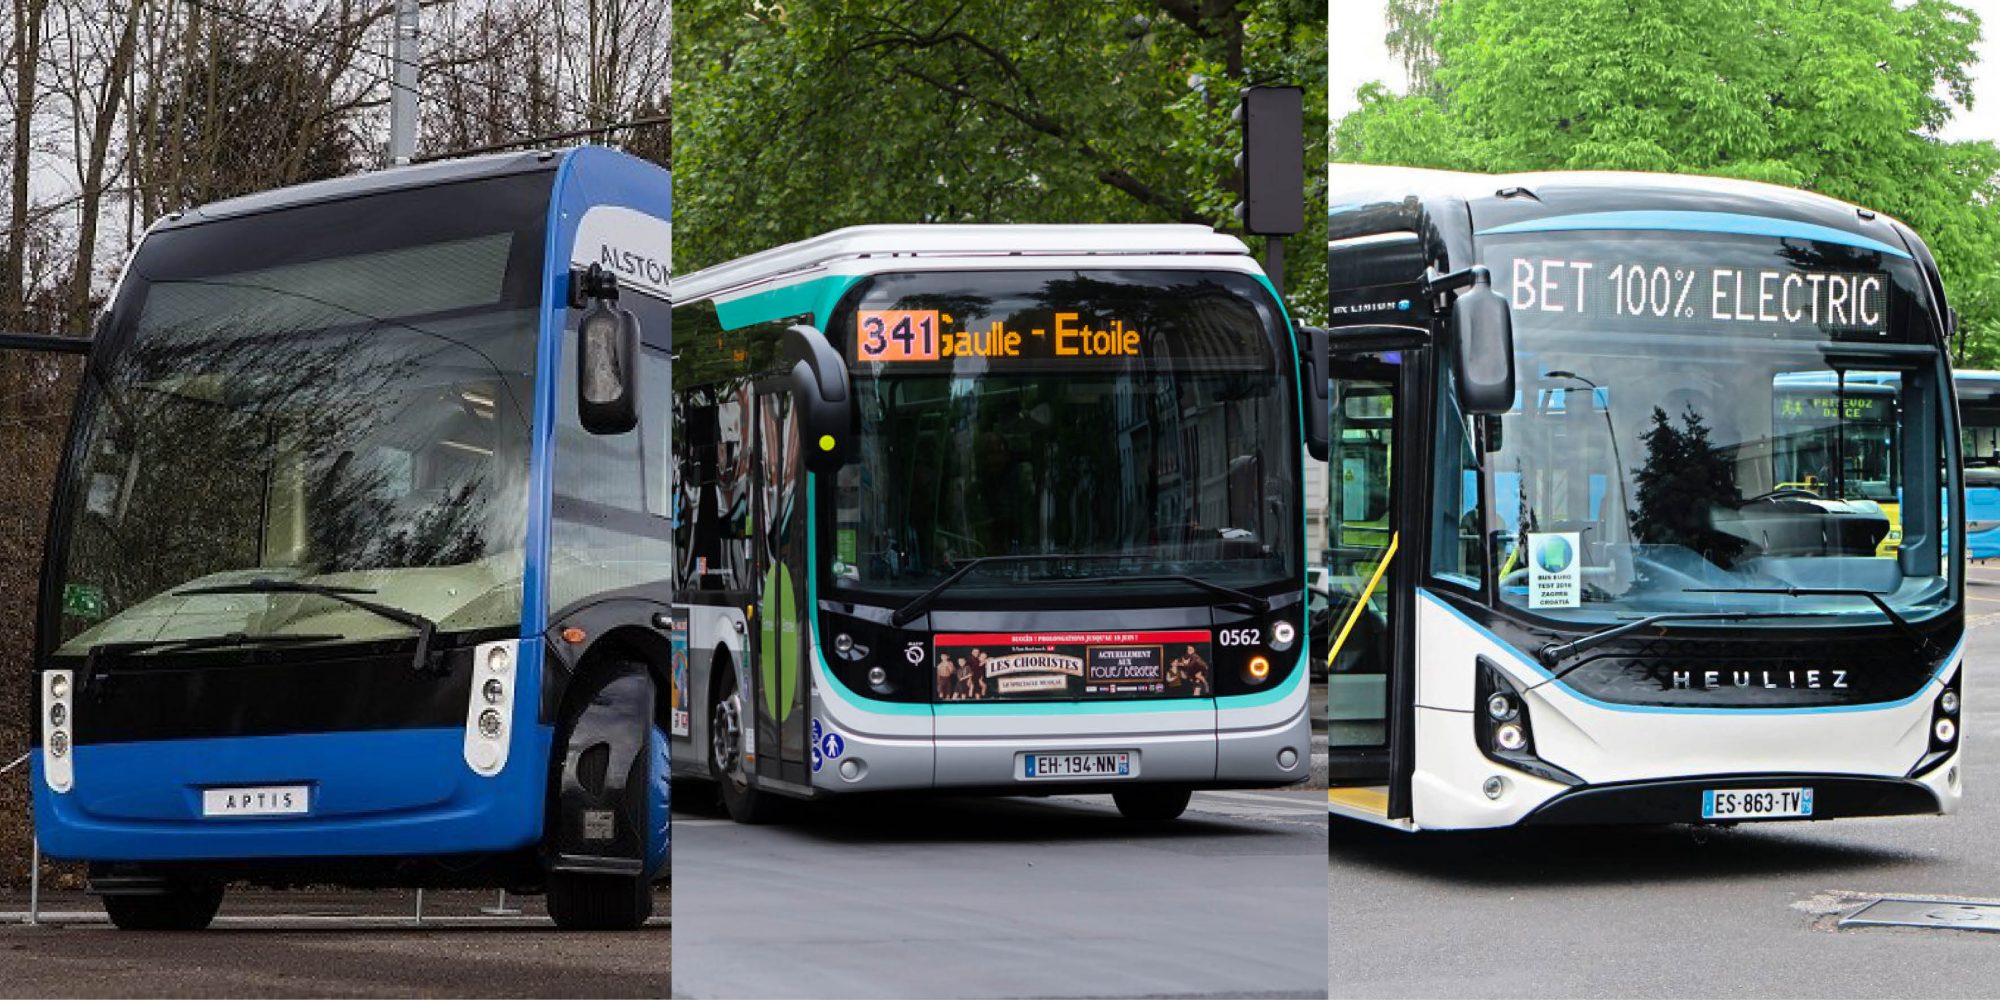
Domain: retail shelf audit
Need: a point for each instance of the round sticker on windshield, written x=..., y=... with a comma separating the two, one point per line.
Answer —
x=1556, y=554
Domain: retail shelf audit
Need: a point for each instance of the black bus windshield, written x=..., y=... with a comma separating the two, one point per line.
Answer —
x=1711, y=422
x=1122, y=424
x=350, y=409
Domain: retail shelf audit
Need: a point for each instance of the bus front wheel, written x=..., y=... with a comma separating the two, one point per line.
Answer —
x=182, y=906
x=726, y=719
x=1152, y=805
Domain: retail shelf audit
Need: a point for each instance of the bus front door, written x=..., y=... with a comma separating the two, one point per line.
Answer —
x=780, y=629
x=1363, y=576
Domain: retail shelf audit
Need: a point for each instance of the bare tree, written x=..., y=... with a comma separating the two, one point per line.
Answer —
x=26, y=56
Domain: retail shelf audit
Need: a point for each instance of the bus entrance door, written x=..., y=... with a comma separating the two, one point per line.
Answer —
x=780, y=628
x=1368, y=652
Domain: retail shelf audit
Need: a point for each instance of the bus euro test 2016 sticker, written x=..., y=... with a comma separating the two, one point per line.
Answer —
x=1555, y=569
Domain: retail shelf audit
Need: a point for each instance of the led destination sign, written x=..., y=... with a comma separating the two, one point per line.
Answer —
x=893, y=335
x=1829, y=407
x=1659, y=295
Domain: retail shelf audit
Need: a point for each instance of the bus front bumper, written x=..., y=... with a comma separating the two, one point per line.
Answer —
x=1265, y=756
x=404, y=793
x=1834, y=796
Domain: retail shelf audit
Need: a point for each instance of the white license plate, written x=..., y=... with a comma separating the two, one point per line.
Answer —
x=1092, y=764
x=1756, y=803
x=256, y=800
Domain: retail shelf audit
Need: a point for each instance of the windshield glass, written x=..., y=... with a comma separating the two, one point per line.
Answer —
x=1083, y=424
x=1699, y=416
x=349, y=408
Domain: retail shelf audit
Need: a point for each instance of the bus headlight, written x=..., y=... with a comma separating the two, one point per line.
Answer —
x=1259, y=668
x=1504, y=727
x=1948, y=702
x=1945, y=730
x=58, y=731
x=489, y=706
x=1282, y=634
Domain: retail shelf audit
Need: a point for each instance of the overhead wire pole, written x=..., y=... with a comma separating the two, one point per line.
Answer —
x=403, y=86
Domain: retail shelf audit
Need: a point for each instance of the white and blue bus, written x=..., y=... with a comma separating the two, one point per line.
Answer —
x=1599, y=563
x=346, y=581
x=989, y=509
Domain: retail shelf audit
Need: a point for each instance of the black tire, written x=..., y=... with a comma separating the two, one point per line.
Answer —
x=186, y=906
x=599, y=902
x=744, y=804
x=1152, y=805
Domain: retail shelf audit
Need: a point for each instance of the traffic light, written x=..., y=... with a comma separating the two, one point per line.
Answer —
x=1273, y=160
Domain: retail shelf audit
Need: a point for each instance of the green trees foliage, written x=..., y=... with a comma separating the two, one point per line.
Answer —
x=1843, y=97
x=798, y=118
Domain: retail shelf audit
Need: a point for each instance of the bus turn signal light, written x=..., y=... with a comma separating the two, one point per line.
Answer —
x=573, y=635
x=1260, y=668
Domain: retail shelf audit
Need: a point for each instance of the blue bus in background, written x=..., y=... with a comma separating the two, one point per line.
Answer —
x=1836, y=438
x=1979, y=435
x=356, y=571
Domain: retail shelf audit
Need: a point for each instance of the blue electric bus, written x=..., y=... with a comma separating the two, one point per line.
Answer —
x=356, y=568
x=1613, y=457
x=1979, y=437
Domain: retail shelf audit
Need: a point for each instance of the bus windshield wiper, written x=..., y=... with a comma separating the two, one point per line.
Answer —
x=1902, y=624
x=97, y=659
x=1242, y=598
x=922, y=602
x=1556, y=652
x=426, y=629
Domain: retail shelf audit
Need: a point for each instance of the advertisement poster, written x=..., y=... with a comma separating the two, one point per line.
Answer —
x=1001, y=666
x=680, y=718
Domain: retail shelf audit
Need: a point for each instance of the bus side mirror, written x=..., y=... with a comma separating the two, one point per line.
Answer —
x=607, y=355
x=820, y=393
x=1314, y=367
x=1483, y=360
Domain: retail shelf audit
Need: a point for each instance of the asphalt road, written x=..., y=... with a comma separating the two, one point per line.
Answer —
x=1004, y=897
x=1747, y=911
x=329, y=944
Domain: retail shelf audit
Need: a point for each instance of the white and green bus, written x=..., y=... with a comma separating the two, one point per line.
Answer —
x=993, y=509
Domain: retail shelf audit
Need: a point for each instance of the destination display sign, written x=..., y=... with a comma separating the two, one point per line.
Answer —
x=998, y=666
x=1829, y=407
x=1635, y=293
x=896, y=335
